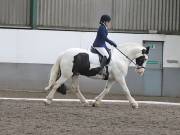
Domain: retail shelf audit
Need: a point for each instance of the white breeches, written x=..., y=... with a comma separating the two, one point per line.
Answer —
x=102, y=51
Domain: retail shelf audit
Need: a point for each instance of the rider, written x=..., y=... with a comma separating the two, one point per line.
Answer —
x=99, y=43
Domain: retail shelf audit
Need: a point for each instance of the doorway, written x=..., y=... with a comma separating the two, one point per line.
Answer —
x=154, y=69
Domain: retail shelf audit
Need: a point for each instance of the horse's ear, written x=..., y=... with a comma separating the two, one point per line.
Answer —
x=145, y=51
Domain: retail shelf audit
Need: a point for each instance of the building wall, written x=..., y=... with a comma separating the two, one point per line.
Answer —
x=76, y=14
x=15, y=13
x=144, y=16
x=26, y=57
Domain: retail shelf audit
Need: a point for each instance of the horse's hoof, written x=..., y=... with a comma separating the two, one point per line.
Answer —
x=86, y=104
x=48, y=101
x=134, y=106
x=95, y=104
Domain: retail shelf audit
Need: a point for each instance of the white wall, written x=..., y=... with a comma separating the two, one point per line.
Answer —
x=43, y=46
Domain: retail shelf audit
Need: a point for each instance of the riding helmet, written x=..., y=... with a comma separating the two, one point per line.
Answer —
x=105, y=18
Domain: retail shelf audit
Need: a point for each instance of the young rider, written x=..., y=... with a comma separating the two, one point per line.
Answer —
x=99, y=43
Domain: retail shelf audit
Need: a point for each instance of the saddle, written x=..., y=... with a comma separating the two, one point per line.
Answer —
x=93, y=50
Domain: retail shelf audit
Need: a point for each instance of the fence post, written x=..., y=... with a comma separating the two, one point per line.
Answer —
x=33, y=14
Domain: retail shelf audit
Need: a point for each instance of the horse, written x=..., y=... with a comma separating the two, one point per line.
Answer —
x=75, y=62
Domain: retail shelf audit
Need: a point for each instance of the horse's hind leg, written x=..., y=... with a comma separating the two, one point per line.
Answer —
x=52, y=81
x=76, y=90
x=54, y=75
x=58, y=83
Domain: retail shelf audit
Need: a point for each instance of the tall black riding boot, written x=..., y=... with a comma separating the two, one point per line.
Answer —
x=103, y=62
x=97, y=70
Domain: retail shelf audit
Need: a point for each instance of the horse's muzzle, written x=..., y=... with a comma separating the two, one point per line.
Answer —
x=140, y=71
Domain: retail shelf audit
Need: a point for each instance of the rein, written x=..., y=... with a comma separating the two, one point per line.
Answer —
x=137, y=66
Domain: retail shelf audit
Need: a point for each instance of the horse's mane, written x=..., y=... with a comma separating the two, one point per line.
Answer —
x=129, y=46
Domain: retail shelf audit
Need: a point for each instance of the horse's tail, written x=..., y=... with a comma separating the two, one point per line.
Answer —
x=55, y=73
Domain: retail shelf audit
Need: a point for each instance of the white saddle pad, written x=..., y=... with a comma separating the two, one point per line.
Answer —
x=94, y=60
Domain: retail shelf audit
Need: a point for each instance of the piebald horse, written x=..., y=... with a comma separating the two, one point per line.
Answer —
x=122, y=56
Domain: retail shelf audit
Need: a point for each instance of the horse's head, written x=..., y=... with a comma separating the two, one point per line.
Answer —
x=141, y=59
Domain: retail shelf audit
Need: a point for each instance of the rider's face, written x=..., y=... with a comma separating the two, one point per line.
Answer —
x=108, y=24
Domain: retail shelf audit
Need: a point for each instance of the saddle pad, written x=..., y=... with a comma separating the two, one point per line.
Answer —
x=94, y=60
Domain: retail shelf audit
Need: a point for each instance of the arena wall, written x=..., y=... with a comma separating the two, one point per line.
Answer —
x=26, y=57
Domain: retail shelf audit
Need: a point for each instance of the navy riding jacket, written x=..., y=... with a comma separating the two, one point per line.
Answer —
x=101, y=37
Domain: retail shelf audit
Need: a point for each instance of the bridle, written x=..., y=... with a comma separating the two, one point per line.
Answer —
x=131, y=60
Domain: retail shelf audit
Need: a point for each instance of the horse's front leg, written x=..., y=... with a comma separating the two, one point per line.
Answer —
x=99, y=98
x=126, y=91
x=76, y=90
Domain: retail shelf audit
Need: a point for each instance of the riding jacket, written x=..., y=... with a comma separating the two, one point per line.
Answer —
x=101, y=37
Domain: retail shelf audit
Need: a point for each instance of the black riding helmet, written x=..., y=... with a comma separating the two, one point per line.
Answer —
x=105, y=18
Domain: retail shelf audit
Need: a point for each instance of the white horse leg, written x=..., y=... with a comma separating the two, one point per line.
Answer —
x=126, y=91
x=50, y=85
x=58, y=83
x=108, y=86
x=76, y=90
x=55, y=71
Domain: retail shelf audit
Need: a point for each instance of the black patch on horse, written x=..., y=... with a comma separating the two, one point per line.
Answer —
x=146, y=51
x=140, y=60
x=62, y=89
x=81, y=65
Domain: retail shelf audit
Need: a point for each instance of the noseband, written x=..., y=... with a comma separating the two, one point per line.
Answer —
x=139, y=67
